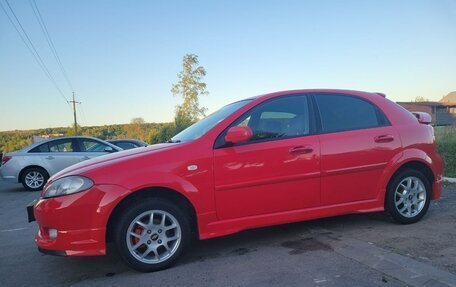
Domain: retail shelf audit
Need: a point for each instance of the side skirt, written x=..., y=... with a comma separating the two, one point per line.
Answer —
x=230, y=226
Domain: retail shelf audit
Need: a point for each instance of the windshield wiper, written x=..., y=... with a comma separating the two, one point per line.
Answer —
x=173, y=141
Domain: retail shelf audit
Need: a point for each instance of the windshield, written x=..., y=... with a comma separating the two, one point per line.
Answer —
x=198, y=129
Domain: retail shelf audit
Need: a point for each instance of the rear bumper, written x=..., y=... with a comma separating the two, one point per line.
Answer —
x=75, y=225
x=10, y=171
x=5, y=175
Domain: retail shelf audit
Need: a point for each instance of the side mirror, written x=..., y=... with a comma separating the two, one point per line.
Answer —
x=109, y=149
x=238, y=134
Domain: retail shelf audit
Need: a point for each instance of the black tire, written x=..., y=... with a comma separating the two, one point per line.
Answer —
x=31, y=170
x=121, y=227
x=390, y=203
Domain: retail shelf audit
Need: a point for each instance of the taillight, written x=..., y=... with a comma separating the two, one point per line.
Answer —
x=5, y=159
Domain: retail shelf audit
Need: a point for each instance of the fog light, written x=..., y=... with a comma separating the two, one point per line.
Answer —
x=52, y=233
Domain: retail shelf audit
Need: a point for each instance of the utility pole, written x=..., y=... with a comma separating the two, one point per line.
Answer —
x=74, y=114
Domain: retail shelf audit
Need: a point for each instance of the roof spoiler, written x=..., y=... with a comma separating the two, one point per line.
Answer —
x=422, y=117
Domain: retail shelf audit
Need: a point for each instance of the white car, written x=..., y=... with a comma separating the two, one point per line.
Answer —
x=33, y=165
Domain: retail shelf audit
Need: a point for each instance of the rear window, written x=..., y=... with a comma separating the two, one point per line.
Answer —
x=344, y=113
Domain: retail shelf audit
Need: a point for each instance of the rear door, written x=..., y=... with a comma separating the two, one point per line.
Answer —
x=277, y=170
x=357, y=141
x=59, y=154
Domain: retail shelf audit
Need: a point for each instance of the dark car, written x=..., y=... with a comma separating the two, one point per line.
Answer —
x=128, y=143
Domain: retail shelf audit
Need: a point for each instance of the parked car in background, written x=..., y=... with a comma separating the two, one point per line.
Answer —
x=33, y=165
x=273, y=159
x=128, y=143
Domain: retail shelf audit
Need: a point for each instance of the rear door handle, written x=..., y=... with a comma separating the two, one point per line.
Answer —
x=384, y=139
x=302, y=149
x=49, y=157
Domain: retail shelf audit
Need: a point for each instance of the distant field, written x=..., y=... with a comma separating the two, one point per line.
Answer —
x=446, y=144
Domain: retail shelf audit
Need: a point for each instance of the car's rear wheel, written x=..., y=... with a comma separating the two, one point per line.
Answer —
x=151, y=235
x=408, y=197
x=34, y=178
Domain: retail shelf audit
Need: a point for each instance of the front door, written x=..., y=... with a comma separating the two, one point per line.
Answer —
x=278, y=169
x=91, y=148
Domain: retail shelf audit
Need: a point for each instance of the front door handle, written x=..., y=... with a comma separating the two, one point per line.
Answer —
x=85, y=158
x=384, y=139
x=302, y=149
x=49, y=157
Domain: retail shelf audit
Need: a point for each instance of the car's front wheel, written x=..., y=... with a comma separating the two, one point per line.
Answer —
x=408, y=196
x=151, y=235
x=34, y=178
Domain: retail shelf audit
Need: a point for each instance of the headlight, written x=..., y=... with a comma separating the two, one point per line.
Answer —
x=67, y=185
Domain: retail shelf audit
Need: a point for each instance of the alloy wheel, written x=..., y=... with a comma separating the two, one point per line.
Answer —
x=34, y=179
x=153, y=236
x=410, y=196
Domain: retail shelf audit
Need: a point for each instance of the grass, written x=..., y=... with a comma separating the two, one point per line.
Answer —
x=446, y=144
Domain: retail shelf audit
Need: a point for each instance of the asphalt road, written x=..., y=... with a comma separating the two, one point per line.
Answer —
x=353, y=250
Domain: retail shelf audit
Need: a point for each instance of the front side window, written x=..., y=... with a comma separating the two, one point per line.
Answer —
x=61, y=146
x=88, y=145
x=278, y=118
x=344, y=113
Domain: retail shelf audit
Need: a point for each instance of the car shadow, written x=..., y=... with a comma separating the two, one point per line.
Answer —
x=297, y=238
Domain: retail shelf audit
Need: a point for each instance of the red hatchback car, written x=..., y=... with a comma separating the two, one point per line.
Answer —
x=273, y=159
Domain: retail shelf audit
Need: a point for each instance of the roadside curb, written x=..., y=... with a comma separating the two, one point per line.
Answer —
x=449, y=179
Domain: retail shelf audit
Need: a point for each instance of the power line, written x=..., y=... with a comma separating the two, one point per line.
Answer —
x=43, y=26
x=82, y=113
x=31, y=47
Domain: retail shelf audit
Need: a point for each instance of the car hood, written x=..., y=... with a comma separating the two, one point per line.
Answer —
x=103, y=160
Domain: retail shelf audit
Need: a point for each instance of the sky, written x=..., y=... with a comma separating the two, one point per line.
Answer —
x=123, y=56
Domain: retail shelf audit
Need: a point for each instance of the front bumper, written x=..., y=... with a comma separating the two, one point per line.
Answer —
x=30, y=214
x=75, y=224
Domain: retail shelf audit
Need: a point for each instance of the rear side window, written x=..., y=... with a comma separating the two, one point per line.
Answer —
x=41, y=148
x=344, y=113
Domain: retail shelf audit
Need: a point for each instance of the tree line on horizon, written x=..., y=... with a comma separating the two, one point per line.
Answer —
x=190, y=86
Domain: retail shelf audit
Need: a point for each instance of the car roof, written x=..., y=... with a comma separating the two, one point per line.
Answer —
x=33, y=145
x=316, y=91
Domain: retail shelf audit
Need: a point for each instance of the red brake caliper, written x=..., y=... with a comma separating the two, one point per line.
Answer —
x=137, y=231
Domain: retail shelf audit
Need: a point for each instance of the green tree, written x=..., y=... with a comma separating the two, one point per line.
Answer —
x=162, y=133
x=137, y=129
x=190, y=87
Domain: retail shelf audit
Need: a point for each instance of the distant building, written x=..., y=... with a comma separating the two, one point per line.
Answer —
x=443, y=112
x=450, y=98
